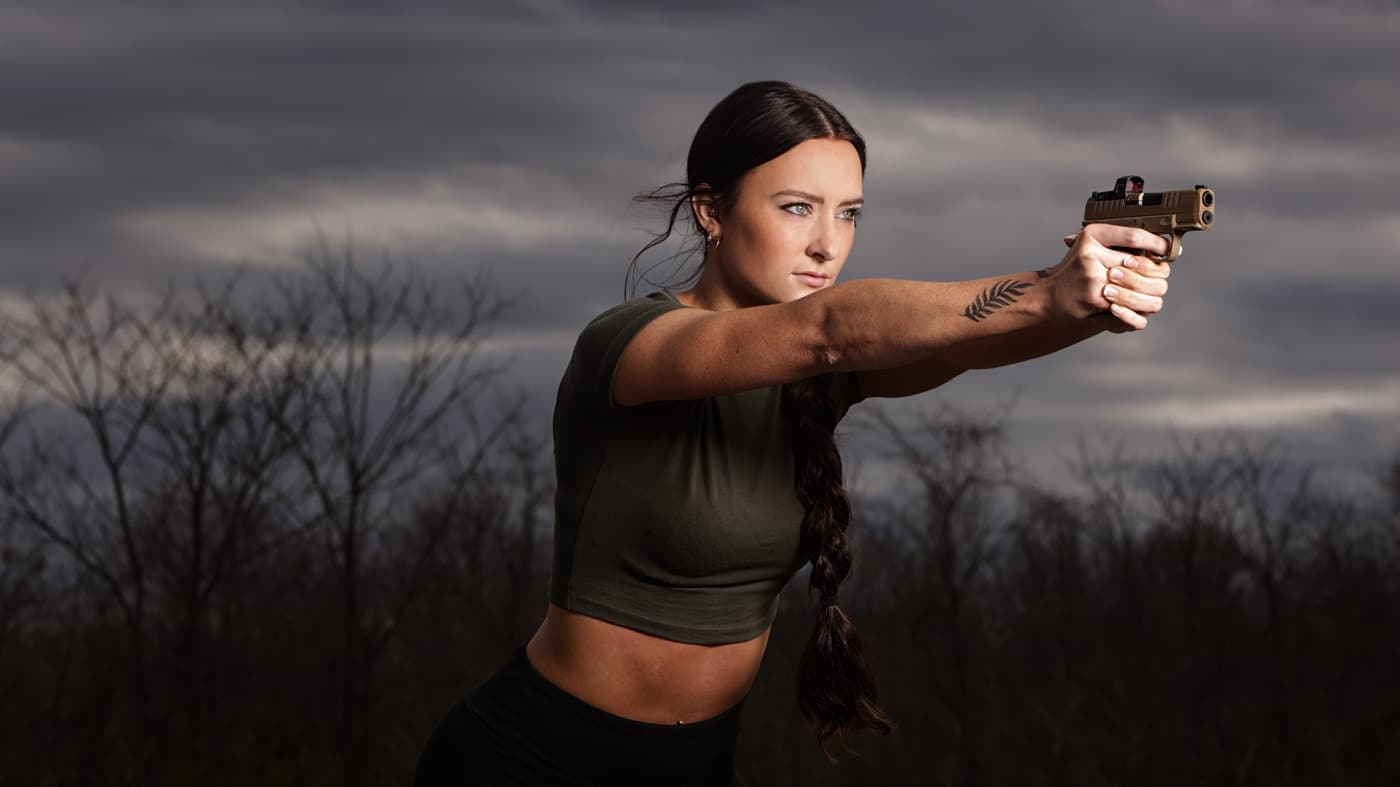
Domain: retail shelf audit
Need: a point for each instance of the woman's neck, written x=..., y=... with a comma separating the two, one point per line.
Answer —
x=711, y=292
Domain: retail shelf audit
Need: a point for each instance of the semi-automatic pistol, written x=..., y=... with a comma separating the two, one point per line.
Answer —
x=1170, y=214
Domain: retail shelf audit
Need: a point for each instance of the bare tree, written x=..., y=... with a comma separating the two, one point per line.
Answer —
x=958, y=463
x=377, y=372
x=213, y=436
x=211, y=488
x=91, y=359
x=22, y=566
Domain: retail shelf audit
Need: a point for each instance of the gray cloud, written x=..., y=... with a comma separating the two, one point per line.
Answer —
x=141, y=143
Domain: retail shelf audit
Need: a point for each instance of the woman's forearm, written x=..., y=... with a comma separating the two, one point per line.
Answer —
x=868, y=324
x=1020, y=345
x=882, y=323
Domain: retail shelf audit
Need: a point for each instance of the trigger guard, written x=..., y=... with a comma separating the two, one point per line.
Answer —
x=1172, y=240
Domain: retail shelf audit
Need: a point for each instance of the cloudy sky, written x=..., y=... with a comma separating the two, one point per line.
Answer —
x=141, y=143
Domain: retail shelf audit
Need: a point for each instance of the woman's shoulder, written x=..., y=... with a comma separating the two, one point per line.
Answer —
x=627, y=317
x=601, y=342
x=662, y=299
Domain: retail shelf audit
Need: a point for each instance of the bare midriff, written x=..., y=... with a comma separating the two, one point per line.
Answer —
x=641, y=677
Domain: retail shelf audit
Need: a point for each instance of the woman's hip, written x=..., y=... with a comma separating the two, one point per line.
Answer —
x=519, y=728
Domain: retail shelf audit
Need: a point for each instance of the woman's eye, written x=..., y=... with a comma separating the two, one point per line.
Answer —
x=798, y=208
x=850, y=214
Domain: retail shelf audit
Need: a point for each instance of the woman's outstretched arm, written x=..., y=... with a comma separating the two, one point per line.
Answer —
x=986, y=322
x=1139, y=275
x=870, y=324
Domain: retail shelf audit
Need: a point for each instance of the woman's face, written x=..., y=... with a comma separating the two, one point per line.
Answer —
x=793, y=215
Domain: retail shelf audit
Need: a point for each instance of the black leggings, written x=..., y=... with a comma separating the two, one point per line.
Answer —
x=517, y=728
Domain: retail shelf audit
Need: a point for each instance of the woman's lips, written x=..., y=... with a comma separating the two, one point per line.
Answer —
x=810, y=280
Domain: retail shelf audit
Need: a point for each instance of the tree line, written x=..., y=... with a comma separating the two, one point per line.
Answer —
x=268, y=538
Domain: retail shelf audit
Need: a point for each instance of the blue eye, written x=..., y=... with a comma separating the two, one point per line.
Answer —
x=851, y=214
x=798, y=208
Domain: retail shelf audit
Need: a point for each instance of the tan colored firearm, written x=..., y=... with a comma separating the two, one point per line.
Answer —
x=1167, y=213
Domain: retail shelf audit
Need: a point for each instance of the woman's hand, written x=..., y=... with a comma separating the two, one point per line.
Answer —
x=1093, y=280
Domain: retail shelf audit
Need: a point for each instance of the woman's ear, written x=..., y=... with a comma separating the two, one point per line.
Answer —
x=705, y=205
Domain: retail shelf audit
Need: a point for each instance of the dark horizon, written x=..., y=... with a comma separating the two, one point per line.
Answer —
x=260, y=578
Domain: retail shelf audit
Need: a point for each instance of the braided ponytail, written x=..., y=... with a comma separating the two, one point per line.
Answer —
x=835, y=688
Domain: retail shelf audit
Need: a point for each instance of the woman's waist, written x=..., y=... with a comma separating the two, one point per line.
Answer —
x=641, y=677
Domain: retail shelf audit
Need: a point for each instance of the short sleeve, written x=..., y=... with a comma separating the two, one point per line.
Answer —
x=599, y=347
x=845, y=391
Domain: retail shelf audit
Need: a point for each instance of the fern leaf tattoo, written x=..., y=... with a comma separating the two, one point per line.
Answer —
x=1003, y=293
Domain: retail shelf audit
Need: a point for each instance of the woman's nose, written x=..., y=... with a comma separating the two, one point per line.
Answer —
x=823, y=245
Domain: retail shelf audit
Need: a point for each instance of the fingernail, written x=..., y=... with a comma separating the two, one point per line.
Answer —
x=1110, y=292
x=1131, y=262
x=1115, y=274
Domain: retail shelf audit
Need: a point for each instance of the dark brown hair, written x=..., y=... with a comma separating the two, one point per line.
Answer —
x=757, y=123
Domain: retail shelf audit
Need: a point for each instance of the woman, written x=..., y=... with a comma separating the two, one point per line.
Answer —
x=696, y=465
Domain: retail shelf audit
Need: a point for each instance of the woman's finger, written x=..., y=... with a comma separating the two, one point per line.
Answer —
x=1112, y=235
x=1136, y=301
x=1149, y=267
x=1130, y=279
x=1129, y=317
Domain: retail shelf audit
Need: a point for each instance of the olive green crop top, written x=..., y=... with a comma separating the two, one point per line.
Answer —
x=675, y=518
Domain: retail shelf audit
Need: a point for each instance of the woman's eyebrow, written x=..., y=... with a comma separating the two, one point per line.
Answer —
x=815, y=198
